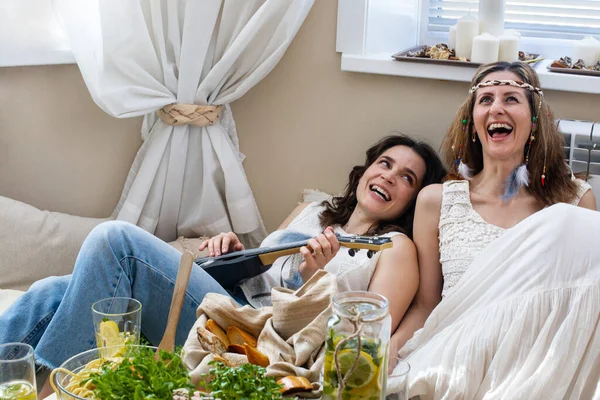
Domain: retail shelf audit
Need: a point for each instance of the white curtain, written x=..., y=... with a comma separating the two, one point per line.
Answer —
x=137, y=56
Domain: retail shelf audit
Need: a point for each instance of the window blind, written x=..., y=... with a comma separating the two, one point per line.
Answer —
x=30, y=34
x=567, y=19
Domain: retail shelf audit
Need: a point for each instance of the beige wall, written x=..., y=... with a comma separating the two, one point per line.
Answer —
x=58, y=150
x=303, y=126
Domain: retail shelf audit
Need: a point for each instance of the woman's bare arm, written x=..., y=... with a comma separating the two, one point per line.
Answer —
x=588, y=200
x=429, y=293
x=397, y=277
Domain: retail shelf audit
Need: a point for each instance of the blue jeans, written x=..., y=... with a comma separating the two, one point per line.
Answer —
x=117, y=259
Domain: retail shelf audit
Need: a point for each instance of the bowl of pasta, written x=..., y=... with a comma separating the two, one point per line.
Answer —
x=130, y=369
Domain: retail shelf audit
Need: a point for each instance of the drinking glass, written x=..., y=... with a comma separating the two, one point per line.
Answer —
x=117, y=322
x=398, y=368
x=17, y=372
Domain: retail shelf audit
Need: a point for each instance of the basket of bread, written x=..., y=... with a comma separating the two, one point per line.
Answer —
x=284, y=341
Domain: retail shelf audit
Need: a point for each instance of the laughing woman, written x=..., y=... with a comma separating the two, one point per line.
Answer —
x=119, y=259
x=509, y=289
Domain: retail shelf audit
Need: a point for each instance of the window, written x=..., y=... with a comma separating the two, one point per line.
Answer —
x=31, y=35
x=377, y=26
x=562, y=19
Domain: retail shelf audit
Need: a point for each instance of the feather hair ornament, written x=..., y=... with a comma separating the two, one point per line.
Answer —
x=518, y=178
x=465, y=171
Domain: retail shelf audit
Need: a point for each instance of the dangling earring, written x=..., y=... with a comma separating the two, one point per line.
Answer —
x=462, y=169
x=519, y=177
x=531, y=139
x=464, y=128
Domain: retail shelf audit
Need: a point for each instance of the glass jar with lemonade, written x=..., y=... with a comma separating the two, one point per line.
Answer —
x=357, y=347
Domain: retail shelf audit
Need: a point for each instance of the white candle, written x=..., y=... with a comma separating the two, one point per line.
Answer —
x=512, y=32
x=586, y=50
x=597, y=50
x=466, y=29
x=485, y=49
x=452, y=37
x=491, y=17
x=509, y=48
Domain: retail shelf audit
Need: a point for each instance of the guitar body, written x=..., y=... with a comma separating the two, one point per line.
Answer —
x=230, y=269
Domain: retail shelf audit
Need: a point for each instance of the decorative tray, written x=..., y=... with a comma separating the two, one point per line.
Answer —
x=565, y=66
x=405, y=55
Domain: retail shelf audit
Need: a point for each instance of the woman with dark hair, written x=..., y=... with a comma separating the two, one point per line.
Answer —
x=509, y=287
x=121, y=260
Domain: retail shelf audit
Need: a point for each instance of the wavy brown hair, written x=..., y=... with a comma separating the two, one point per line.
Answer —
x=339, y=208
x=546, y=149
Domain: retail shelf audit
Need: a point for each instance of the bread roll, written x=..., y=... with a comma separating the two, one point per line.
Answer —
x=240, y=337
x=294, y=384
x=213, y=327
x=210, y=341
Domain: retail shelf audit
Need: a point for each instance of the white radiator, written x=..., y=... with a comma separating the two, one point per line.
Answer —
x=582, y=150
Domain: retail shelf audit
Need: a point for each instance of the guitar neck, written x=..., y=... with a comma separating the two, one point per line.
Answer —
x=270, y=254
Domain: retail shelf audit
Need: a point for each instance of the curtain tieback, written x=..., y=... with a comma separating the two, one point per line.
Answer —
x=191, y=114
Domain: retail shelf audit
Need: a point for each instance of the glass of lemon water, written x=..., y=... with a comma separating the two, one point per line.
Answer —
x=117, y=322
x=17, y=372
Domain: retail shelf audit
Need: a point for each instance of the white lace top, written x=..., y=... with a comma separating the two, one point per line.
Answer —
x=464, y=234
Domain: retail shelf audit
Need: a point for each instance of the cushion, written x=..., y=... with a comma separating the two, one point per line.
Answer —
x=310, y=195
x=7, y=297
x=191, y=244
x=36, y=244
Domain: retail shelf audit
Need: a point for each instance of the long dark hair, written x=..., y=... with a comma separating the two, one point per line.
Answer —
x=546, y=156
x=339, y=208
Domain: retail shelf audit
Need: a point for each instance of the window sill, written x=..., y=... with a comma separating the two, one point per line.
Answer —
x=385, y=65
x=37, y=57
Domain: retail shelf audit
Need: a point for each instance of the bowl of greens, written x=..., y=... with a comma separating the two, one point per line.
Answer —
x=133, y=372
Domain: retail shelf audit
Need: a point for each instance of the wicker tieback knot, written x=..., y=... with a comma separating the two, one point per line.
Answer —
x=190, y=114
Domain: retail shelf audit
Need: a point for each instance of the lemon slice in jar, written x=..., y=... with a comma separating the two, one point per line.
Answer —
x=109, y=330
x=109, y=335
x=363, y=373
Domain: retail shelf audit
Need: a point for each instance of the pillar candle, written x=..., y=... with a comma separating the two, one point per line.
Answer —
x=485, y=49
x=509, y=48
x=452, y=37
x=586, y=50
x=466, y=29
x=597, y=50
x=491, y=17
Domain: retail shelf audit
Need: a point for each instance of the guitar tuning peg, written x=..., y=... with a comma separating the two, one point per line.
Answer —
x=370, y=253
x=351, y=252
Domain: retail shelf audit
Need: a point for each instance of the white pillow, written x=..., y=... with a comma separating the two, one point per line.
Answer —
x=310, y=195
x=7, y=297
x=35, y=244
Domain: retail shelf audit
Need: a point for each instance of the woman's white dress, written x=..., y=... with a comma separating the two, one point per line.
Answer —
x=520, y=316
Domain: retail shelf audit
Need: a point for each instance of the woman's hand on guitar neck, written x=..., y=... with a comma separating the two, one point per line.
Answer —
x=322, y=249
x=223, y=243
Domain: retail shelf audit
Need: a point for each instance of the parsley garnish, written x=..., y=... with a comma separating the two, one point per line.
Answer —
x=139, y=376
x=246, y=382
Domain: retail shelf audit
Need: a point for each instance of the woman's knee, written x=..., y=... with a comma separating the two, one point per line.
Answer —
x=110, y=232
x=53, y=284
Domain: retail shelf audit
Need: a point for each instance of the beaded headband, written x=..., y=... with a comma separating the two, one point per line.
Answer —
x=518, y=84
